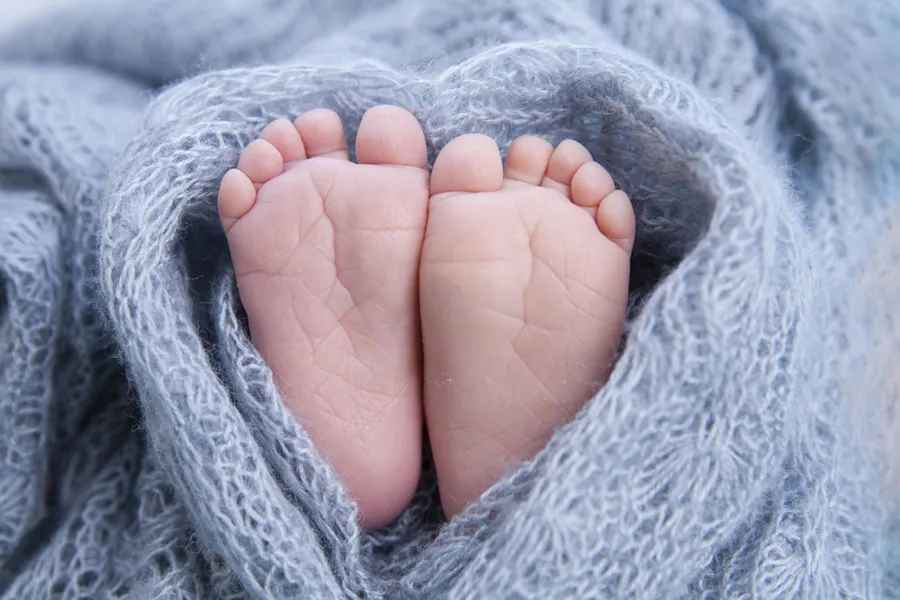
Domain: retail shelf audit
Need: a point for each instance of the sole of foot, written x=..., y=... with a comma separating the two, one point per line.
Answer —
x=523, y=291
x=326, y=254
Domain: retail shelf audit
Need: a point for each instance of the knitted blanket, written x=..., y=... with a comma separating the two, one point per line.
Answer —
x=739, y=449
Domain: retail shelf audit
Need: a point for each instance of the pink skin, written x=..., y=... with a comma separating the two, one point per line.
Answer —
x=521, y=277
x=523, y=290
x=326, y=254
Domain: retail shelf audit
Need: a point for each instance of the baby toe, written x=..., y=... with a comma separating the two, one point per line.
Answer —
x=568, y=157
x=237, y=195
x=615, y=220
x=286, y=139
x=590, y=185
x=261, y=162
x=527, y=160
x=322, y=132
x=593, y=189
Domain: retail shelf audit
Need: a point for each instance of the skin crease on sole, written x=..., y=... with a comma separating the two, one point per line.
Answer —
x=521, y=277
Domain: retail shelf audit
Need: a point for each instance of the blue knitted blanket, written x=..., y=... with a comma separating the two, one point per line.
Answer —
x=742, y=446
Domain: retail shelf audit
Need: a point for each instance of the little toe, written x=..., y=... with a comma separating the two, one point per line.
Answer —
x=390, y=135
x=528, y=159
x=568, y=157
x=322, y=133
x=615, y=220
x=284, y=136
x=261, y=162
x=470, y=163
x=237, y=195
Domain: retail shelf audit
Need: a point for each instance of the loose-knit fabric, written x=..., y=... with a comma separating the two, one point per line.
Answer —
x=739, y=449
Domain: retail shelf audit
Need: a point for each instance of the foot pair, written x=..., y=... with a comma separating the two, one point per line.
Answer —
x=495, y=293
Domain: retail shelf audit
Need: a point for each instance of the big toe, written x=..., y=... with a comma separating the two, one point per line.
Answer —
x=470, y=163
x=390, y=135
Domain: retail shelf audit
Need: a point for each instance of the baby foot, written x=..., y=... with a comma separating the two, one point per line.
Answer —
x=326, y=254
x=523, y=290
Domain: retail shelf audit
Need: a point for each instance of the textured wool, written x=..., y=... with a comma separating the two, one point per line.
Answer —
x=739, y=449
